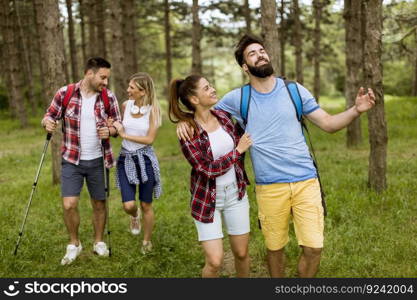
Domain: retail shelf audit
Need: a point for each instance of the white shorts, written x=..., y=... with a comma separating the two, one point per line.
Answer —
x=235, y=214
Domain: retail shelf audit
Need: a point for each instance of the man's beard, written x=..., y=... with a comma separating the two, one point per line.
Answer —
x=261, y=71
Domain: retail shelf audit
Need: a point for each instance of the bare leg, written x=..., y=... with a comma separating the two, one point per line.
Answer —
x=130, y=208
x=213, y=251
x=71, y=218
x=148, y=220
x=309, y=262
x=276, y=263
x=239, y=245
x=99, y=219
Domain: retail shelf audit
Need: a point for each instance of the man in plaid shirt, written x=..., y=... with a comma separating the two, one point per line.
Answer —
x=85, y=131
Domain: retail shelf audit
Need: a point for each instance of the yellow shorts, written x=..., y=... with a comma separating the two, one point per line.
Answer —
x=278, y=201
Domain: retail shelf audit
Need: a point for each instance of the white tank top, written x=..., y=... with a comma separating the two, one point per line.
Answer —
x=135, y=126
x=222, y=143
x=89, y=140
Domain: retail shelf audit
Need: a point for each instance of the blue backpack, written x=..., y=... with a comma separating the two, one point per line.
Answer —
x=294, y=93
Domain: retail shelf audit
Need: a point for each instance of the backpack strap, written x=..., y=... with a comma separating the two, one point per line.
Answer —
x=245, y=95
x=106, y=101
x=294, y=93
x=67, y=98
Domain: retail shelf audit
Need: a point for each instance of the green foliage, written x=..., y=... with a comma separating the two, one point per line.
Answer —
x=366, y=234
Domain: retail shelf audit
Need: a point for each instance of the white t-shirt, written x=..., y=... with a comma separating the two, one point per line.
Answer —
x=135, y=126
x=221, y=143
x=89, y=140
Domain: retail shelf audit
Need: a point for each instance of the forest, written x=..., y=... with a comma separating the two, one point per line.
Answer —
x=332, y=47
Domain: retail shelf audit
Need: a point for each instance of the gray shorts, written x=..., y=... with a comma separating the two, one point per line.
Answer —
x=72, y=178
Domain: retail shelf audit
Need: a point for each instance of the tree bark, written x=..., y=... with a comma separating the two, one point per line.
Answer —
x=82, y=25
x=10, y=35
x=92, y=28
x=247, y=15
x=53, y=45
x=101, y=20
x=24, y=43
x=318, y=9
x=373, y=78
x=129, y=29
x=282, y=37
x=39, y=50
x=196, y=67
x=73, y=50
x=352, y=15
x=168, y=54
x=270, y=32
x=118, y=61
x=298, y=43
x=414, y=90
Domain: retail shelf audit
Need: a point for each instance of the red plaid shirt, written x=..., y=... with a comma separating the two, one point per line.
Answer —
x=205, y=169
x=70, y=148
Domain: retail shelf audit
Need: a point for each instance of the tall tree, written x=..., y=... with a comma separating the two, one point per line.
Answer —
x=196, y=67
x=282, y=36
x=73, y=48
x=414, y=89
x=352, y=15
x=10, y=35
x=129, y=29
x=318, y=10
x=298, y=42
x=168, y=54
x=92, y=28
x=81, y=9
x=373, y=78
x=24, y=46
x=100, y=24
x=51, y=34
x=117, y=55
x=270, y=32
x=247, y=15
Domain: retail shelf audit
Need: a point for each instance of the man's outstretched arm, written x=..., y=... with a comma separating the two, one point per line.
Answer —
x=332, y=123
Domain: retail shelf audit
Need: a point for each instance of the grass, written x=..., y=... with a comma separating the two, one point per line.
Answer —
x=366, y=234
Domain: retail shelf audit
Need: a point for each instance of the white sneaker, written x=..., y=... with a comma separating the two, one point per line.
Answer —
x=71, y=254
x=100, y=249
x=135, y=225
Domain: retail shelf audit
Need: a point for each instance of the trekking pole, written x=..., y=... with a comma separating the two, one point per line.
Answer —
x=35, y=183
x=106, y=190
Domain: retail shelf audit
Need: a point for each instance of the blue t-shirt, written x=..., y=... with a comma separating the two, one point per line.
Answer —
x=279, y=152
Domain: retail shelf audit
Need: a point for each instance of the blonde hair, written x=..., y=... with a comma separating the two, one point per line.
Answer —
x=144, y=82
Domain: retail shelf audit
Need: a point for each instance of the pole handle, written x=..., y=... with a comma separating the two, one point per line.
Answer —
x=48, y=136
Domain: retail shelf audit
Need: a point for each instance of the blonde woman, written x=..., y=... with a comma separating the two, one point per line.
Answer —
x=137, y=164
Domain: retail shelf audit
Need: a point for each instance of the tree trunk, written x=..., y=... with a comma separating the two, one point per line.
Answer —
x=129, y=29
x=24, y=43
x=100, y=23
x=118, y=61
x=10, y=35
x=40, y=53
x=196, y=67
x=414, y=92
x=318, y=8
x=298, y=43
x=167, y=43
x=247, y=15
x=282, y=37
x=73, y=49
x=92, y=28
x=270, y=32
x=82, y=25
x=53, y=45
x=352, y=15
x=373, y=78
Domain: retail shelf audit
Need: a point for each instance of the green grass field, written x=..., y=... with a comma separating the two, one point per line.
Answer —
x=366, y=234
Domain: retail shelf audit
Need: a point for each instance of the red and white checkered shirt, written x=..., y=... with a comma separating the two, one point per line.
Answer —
x=205, y=169
x=71, y=150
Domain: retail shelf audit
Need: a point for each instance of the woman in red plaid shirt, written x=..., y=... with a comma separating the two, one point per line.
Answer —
x=218, y=178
